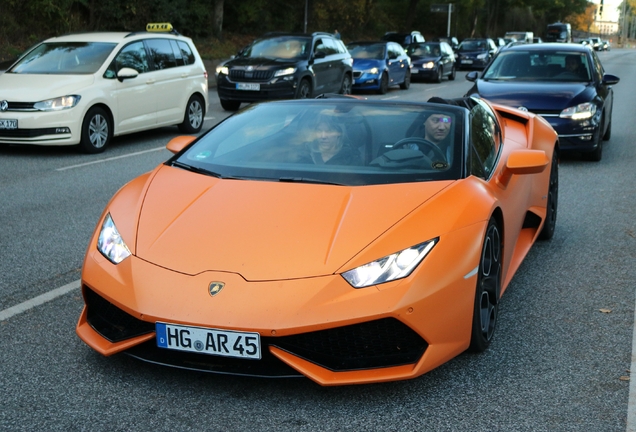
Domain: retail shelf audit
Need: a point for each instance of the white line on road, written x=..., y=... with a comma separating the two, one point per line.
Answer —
x=37, y=301
x=110, y=159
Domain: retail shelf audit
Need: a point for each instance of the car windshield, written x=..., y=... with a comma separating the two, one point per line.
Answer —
x=64, y=58
x=282, y=47
x=366, y=51
x=539, y=66
x=473, y=45
x=333, y=141
x=424, y=50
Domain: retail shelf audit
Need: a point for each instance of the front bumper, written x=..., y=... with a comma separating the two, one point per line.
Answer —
x=472, y=63
x=318, y=327
x=418, y=72
x=366, y=81
x=276, y=88
x=576, y=135
x=43, y=128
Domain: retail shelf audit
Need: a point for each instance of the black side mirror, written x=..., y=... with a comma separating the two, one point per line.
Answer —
x=472, y=76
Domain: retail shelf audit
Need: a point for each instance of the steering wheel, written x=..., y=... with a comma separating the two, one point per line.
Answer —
x=421, y=142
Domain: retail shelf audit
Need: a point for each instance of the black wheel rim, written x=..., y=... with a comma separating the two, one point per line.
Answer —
x=304, y=90
x=346, y=85
x=489, y=281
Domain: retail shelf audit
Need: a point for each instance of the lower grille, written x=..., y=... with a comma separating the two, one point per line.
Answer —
x=111, y=322
x=27, y=133
x=257, y=75
x=382, y=343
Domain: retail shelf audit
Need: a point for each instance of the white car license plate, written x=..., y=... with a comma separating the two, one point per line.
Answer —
x=467, y=62
x=225, y=343
x=248, y=86
x=8, y=124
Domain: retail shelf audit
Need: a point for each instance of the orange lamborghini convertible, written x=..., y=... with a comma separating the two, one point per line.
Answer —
x=348, y=241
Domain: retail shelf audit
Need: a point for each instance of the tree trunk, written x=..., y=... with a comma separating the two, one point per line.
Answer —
x=410, y=15
x=217, y=25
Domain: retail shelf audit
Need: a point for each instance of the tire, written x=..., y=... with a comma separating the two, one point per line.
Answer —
x=597, y=154
x=451, y=77
x=407, y=81
x=440, y=74
x=384, y=84
x=346, y=86
x=608, y=132
x=486, y=307
x=553, y=200
x=304, y=90
x=193, y=116
x=229, y=105
x=97, y=131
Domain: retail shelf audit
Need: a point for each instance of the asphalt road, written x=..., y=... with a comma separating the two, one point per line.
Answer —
x=558, y=362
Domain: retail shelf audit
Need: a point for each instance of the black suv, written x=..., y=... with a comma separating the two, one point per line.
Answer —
x=285, y=66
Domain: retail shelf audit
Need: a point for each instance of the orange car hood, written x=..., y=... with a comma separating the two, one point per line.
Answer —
x=266, y=230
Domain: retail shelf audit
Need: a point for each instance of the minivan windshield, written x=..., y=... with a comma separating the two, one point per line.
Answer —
x=66, y=58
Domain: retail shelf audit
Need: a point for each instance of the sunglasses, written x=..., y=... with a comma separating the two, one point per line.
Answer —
x=441, y=119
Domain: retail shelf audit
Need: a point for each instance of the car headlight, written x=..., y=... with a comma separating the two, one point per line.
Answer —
x=110, y=243
x=374, y=71
x=220, y=69
x=482, y=56
x=395, y=266
x=57, y=104
x=429, y=65
x=579, y=112
x=283, y=72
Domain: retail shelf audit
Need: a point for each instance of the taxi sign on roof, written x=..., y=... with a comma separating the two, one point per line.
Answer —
x=159, y=27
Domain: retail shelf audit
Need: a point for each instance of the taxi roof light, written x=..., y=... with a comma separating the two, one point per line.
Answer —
x=159, y=27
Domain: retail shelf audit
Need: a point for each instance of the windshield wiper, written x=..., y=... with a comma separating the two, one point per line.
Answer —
x=307, y=180
x=196, y=169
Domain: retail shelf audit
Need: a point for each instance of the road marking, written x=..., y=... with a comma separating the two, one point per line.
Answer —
x=631, y=404
x=110, y=159
x=392, y=97
x=39, y=300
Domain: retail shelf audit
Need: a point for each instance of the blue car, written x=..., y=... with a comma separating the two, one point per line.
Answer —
x=475, y=53
x=563, y=83
x=379, y=65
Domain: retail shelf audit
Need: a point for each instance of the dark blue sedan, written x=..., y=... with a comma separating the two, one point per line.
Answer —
x=564, y=83
x=379, y=65
x=475, y=53
x=431, y=61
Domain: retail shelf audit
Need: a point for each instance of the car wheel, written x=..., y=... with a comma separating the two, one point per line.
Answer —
x=304, y=90
x=384, y=84
x=407, y=81
x=229, y=105
x=597, y=154
x=345, y=89
x=451, y=77
x=553, y=199
x=486, y=306
x=194, y=114
x=440, y=74
x=608, y=132
x=97, y=131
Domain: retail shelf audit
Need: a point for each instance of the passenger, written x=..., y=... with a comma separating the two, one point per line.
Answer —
x=573, y=64
x=329, y=147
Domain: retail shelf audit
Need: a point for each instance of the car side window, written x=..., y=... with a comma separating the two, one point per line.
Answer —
x=131, y=56
x=182, y=53
x=161, y=53
x=319, y=47
x=330, y=46
x=598, y=70
x=484, y=142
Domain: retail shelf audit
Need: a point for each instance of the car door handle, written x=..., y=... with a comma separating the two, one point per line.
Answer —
x=150, y=81
x=184, y=75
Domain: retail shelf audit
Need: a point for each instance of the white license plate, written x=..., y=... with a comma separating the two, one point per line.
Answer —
x=467, y=62
x=225, y=343
x=8, y=124
x=248, y=86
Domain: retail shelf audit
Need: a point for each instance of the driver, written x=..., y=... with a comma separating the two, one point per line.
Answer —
x=436, y=130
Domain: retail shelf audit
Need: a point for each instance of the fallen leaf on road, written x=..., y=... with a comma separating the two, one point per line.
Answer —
x=624, y=378
x=605, y=310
